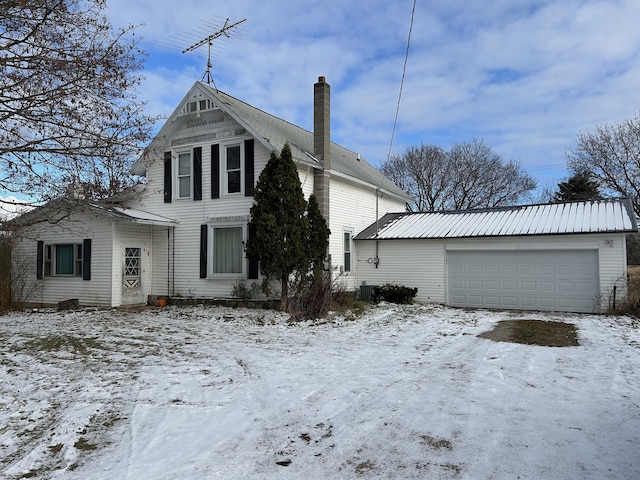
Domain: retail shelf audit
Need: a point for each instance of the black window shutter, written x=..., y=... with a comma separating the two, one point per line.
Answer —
x=167, y=177
x=86, y=259
x=253, y=262
x=215, y=171
x=248, y=167
x=40, y=260
x=197, y=173
x=203, y=251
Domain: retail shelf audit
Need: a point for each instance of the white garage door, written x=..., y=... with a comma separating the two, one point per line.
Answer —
x=557, y=280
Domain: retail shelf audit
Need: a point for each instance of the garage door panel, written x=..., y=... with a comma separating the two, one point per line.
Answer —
x=546, y=286
x=566, y=287
x=546, y=270
x=545, y=279
x=528, y=286
x=547, y=303
x=492, y=301
x=528, y=302
x=528, y=269
x=568, y=270
x=510, y=302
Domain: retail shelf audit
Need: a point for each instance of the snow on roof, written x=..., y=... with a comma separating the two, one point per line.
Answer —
x=593, y=216
x=134, y=215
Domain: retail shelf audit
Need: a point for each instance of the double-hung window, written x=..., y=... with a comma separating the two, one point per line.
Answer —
x=233, y=169
x=228, y=250
x=63, y=259
x=184, y=175
x=346, y=248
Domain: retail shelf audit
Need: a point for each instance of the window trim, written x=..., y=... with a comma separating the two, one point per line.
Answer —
x=241, y=168
x=211, y=250
x=50, y=260
x=347, y=266
x=178, y=176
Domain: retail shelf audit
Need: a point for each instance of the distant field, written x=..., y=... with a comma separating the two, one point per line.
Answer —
x=633, y=271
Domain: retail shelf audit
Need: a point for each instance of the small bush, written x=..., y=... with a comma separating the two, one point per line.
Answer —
x=394, y=293
x=243, y=292
x=311, y=299
x=630, y=305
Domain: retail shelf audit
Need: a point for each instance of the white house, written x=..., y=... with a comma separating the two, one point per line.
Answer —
x=560, y=257
x=183, y=235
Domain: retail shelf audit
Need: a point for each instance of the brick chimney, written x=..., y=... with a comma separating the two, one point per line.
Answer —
x=322, y=143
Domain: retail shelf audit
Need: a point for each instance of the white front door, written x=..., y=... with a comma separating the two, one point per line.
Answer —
x=132, y=278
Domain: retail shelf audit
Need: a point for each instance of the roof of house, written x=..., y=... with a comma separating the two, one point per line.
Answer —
x=274, y=133
x=614, y=215
x=62, y=207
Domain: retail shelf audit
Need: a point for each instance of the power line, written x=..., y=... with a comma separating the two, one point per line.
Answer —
x=404, y=70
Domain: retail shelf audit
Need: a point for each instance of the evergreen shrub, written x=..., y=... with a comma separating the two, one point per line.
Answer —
x=394, y=293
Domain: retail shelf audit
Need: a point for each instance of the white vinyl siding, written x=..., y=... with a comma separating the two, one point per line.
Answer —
x=422, y=263
x=353, y=208
x=412, y=263
x=52, y=289
x=176, y=259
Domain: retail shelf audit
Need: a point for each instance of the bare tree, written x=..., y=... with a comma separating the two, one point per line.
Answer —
x=469, y=175
x=69, y=113
x=611, y=155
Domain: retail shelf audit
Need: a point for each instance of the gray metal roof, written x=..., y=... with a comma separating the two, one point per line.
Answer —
x=595, y=216
x=274, y=133
x=277, y=132
x=60, y=208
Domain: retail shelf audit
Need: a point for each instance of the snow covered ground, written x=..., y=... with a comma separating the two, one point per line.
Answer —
x=399, y=392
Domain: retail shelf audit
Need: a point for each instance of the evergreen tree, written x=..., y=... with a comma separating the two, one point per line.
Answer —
x=580, y=186
x=318, y=238
x=278, y=222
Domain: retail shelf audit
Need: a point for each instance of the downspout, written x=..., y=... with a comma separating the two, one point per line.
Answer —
x=173, y=263
x=168, y=261
x=376, y=259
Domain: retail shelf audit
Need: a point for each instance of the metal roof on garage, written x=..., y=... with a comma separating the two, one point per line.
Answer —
x=612, y=215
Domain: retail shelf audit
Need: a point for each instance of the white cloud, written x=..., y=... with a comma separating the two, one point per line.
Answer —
x=525, y=76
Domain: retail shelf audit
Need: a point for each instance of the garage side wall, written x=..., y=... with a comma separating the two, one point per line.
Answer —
x=412, y=263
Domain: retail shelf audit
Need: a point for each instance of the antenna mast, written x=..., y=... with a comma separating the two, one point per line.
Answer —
x=209, y=41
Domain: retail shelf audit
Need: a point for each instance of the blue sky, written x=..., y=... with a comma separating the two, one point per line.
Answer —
x=526, y=76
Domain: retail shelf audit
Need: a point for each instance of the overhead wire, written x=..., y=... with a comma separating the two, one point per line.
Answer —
x=404, y=71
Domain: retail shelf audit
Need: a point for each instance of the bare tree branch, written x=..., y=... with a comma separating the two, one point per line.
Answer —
x=470, y=175
x=611, y=155
x=69, y=111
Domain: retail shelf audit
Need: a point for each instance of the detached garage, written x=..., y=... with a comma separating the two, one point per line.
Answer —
x=559, y=257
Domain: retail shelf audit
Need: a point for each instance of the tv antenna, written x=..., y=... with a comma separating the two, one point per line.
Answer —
x=209, y=41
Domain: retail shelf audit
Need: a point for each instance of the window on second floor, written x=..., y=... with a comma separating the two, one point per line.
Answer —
x=233, y=169
x=184, y=175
